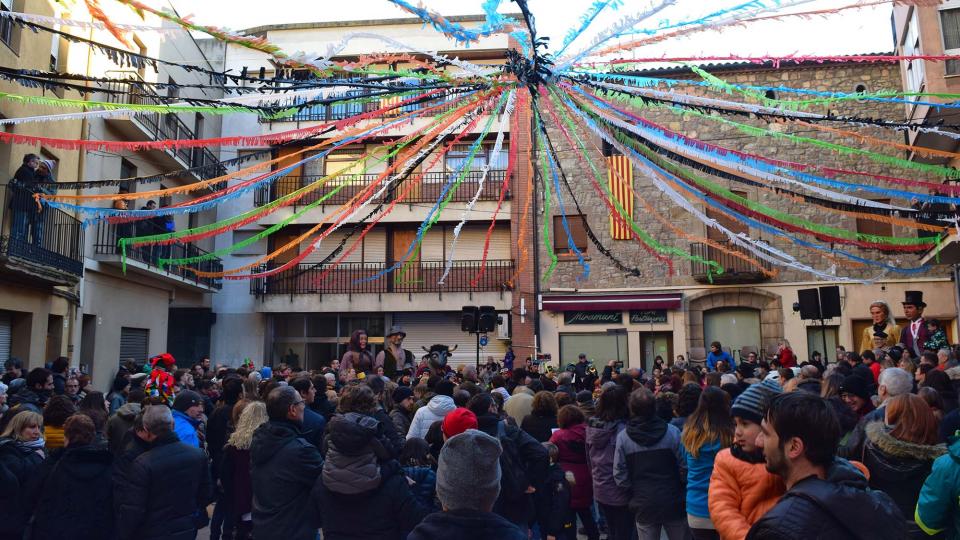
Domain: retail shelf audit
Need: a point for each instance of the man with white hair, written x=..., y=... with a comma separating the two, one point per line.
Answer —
x=893, y=382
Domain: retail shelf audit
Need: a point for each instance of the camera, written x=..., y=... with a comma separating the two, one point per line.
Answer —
x=618, y=364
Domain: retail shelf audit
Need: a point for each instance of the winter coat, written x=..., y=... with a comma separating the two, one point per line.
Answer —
x=937, y=505
x=540, y=427
x=391, y=439
x=466, y=525
x=218, y=430
x=519, y=406
x=424, y=486
x=572, y=457
x=76, y=495
x=699, y=470
x=356, y=495
x=117, y=400
x=840, y=506
x=235, y=479
x=898, y=468
x=532, y=457
x=186, y=429
x=27, y=400
x=119, y=424
x=601, y=446
x=313, y=427
x=162, y=492
x=284, y=468
x=19, y=485
x=647, y=461
x=741, y=491
x=401, y=420
x=435, y=410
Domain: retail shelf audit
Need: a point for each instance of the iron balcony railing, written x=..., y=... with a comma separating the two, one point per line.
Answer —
x=47, y=237
x=735, y=269
x=108, y=243
x=163, y=126
x=339, y=111
x=428, y=188
x=353, y=278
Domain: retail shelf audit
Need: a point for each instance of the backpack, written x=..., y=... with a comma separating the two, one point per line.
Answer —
x=513, y=474
x=553, y=508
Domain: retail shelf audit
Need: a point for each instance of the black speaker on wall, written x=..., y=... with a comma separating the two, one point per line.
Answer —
x=809, y=303
x=830, y=302
x=469, y=318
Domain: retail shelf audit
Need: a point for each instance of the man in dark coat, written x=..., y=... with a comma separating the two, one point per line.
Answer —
x=468, y=484
x=219, y=429
x=284, y=468
x=162, y=492
x=76, y=493
x=35, y=393
x=799, y=437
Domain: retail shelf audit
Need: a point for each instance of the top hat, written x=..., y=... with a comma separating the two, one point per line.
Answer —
x=914, y=298
x=397, y=330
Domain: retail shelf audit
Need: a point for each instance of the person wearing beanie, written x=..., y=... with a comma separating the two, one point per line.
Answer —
x=741, y=489
x=458, y=421
x=402, y=413
x=855, y=392
x=436, y=409
x=585, y=402
x=187, y=417
x=468, y=484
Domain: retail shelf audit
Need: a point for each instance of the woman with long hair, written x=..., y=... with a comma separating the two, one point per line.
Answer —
x=95, y=405
x=707, y=430
x=687, y=399
x=358, y=356
x=235, y=468
x=21, y=456
x=609, y=420
x=571, y=441
x=899, y=453
x=542, y=420
x=882, y=321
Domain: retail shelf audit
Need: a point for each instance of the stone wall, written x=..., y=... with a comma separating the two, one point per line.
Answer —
x=840, y=78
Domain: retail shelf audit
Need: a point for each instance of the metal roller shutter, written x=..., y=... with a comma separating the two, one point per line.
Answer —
x=5, y=338
x=426, y=329
x=134, y=343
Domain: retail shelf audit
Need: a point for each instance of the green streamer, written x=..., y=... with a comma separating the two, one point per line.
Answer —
x=544, y=175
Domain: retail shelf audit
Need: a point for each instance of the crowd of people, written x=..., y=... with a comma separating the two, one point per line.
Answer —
x=858, y=448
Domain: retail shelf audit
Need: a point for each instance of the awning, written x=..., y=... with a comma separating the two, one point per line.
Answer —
x=612, y=302
x=946, y=252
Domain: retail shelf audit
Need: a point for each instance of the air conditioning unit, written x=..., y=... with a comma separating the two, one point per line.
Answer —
x=503, y=326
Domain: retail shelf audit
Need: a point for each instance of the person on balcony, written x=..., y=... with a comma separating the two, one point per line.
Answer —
x=26, y=215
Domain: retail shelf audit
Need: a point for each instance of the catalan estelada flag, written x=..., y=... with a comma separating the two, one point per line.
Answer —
x=620, y=181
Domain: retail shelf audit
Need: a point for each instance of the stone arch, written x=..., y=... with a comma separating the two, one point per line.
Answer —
x=770, y=306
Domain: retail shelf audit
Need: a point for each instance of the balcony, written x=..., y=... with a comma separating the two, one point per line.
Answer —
x=157, y=126
x=144, y=259
x=339, y=111
x=45, y=247
x=428, y=190
x=421, y=278
x=735, y=269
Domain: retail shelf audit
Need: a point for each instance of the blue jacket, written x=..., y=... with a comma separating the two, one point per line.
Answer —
x=313, y=427
x=937, y=506
x=186, y=429
x=424, y=486
x=712, y=360
x=699, y=470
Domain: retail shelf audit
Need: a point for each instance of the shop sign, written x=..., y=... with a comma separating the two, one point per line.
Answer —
x=648, y=316
x=593, y=317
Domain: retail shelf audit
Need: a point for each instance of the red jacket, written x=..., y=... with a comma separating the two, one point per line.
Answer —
x=787, y=358
x=572, y=444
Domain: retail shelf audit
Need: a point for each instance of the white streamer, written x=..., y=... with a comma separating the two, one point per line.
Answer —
x=74, y=23
x=497, y=147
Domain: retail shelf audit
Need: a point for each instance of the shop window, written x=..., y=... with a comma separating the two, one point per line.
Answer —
x=599, y=348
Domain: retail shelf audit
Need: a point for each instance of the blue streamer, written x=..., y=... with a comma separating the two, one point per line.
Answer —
x=494, y=22
x=706, y=18
x=586, y=19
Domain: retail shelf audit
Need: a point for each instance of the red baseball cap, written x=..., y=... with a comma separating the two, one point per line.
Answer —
x=458, y=421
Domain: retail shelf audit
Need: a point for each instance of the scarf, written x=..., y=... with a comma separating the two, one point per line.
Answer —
x=34, y=446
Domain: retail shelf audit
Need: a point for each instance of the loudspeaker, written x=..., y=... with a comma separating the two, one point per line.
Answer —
x=830, y=302
x=488, y=319
x=809, y=303
x=469, y=317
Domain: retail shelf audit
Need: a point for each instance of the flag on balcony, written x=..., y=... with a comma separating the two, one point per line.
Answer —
x=620, y=181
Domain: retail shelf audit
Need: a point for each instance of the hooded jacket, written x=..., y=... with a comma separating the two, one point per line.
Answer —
x=161, y=492
x=937, y=505
x=436, y=409
x=839, y=506
x=647, y=461
x=119, y=424
x=699, y=470
x=601, y=446
x=186, y=428
x=284, y=468
x=898, y=468
x=356, y=497
x=76, y=495
x=741, y=492
x=466, y=525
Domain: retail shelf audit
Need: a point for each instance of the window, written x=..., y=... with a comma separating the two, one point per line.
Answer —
x=578, y=230
x=876, y=228
x=911, y=47
x=258, y=247
x=459, y=154
x=127, y=169
x=142, y=50
x=815, y=340
x=950, y=27
x=8, y=32
x=600, y=347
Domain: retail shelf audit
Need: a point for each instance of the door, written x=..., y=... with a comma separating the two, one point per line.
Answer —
x=54, y=336
x=409, y=278
x=733, y=328
x=654, y=344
